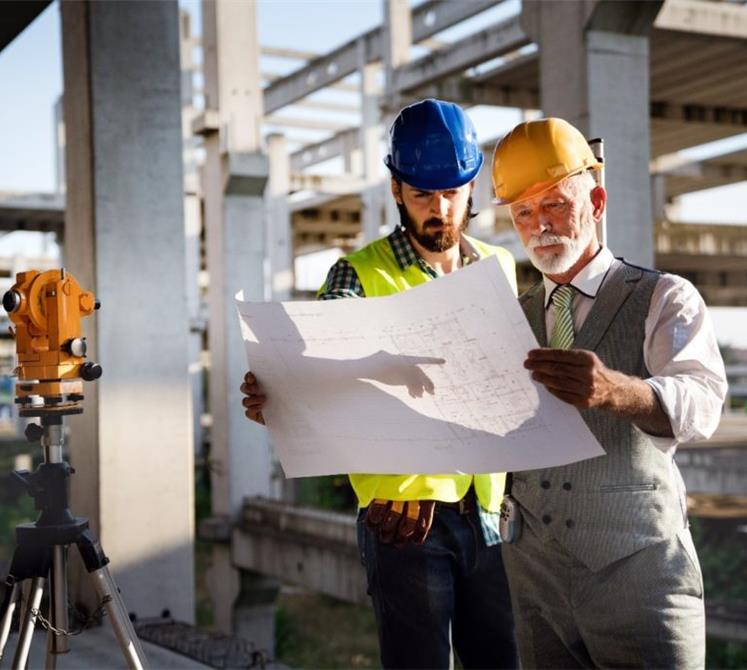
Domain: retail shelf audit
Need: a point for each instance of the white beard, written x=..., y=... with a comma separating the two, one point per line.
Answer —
x=559, y=262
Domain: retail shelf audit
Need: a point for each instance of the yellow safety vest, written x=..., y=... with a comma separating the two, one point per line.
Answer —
x=380, y=274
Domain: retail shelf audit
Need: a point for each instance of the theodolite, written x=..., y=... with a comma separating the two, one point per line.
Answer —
x=46, y=309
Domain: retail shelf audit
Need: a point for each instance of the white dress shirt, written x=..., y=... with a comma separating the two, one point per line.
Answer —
x=679, y=348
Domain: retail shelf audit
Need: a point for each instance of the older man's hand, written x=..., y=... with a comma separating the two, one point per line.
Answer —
x=579, y=378
x=576, y=376
x=254, y=400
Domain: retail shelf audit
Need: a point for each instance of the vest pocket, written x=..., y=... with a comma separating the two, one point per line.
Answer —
x=627, y=488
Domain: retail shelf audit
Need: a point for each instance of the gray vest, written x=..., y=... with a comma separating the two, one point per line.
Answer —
x=605, y=508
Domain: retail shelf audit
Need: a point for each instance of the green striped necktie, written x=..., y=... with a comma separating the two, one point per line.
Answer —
x=562, y=332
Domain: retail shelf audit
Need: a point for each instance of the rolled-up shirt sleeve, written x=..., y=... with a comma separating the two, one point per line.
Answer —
x=682, y=355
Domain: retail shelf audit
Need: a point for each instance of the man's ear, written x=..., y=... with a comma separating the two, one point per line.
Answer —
x=598, y=202
x=397, y=191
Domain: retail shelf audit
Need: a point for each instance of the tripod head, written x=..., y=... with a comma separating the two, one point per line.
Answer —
x=47, y=308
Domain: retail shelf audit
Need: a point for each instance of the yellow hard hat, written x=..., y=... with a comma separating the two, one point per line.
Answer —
x=535, y=156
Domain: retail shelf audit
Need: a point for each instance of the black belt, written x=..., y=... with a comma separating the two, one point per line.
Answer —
x=464, y=505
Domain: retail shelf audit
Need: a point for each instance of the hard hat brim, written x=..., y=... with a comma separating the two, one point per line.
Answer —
x=541, y=187
x=435, y=182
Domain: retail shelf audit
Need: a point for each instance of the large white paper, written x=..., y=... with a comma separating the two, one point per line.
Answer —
x=426, y=381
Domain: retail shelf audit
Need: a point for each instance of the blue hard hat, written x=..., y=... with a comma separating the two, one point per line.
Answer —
x=433, y=146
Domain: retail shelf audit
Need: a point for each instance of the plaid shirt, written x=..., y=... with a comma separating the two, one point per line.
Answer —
x=342, y=282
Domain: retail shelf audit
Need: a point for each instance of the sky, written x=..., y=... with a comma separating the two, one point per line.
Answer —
x=31, y=79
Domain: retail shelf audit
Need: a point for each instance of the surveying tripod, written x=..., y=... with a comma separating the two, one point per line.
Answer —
x=46, y=309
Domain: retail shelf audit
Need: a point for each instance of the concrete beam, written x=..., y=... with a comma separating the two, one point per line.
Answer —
x=708, y=18
x=43, y=212
x=311, y=548
x=294, y=54
x=16, y=16
x=625, y=17
x=310, y=200
x=479, y=47
x=331, y=184
x=428, y=19
x=709, y=172
x=329, y=106
x=728, y=116
x=324, y=150
x=467, y=92
x=311, y=124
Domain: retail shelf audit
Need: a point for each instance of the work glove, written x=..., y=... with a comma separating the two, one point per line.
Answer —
x=400, y=521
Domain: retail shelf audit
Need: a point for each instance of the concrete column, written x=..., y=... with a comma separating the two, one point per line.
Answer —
x=192, y=229
x=594, y=73
x=235, y=175
x=124, y=238
x=280, y=253
x=371, y=204
x=59, y=147
x=279, y=233
x=483, y=225
x=397, y=37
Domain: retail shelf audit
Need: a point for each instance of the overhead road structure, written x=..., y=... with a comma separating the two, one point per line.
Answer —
x=682, y=176
x=696, y=57
x=16, y=16
x=428, y=19
x=39, y=212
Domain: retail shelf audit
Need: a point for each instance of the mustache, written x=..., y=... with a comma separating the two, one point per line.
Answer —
x=545, y=239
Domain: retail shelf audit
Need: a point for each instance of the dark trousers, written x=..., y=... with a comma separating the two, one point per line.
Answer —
x=452, y=588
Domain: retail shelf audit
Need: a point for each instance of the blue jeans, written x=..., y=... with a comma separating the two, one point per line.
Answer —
x=452, y=587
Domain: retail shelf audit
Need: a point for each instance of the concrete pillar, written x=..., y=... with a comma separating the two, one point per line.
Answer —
x=192, y=229
x=279, y=233
x=124, y=238
x=594, y=73
x=397, y=35
x=483, y=225
x=235, y=175
x=59, y=147
x=281, y=257
x=370, y=131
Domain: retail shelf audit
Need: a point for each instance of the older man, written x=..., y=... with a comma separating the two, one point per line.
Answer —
x=604, y=572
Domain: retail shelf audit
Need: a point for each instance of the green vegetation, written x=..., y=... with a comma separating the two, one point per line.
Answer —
x=15, y=505
x=723, y=654
x=315, y=631
x=333, y=492
x=723, y=558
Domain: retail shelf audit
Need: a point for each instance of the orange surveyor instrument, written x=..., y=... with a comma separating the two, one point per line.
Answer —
x=47, y=308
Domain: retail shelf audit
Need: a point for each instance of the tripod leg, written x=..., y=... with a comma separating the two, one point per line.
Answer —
x=96, y=561
x=57, y=644
x=128, y=642
x=28, y=624
x=14, y=595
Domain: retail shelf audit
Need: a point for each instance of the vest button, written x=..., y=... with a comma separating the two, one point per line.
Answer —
x=546, y=519
x=567, y=486
x=545, y=484
x=569, y=523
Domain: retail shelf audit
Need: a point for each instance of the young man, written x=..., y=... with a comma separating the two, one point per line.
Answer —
x=430, y=543
x=604, y=573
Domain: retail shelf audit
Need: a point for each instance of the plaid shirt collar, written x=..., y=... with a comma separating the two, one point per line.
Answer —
x=406, y=255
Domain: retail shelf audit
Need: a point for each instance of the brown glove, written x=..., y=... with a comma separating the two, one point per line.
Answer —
x=399, y=522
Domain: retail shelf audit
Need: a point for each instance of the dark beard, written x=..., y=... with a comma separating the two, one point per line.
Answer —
x=439, y=240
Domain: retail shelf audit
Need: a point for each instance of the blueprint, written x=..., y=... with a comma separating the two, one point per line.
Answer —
x=427, y=381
